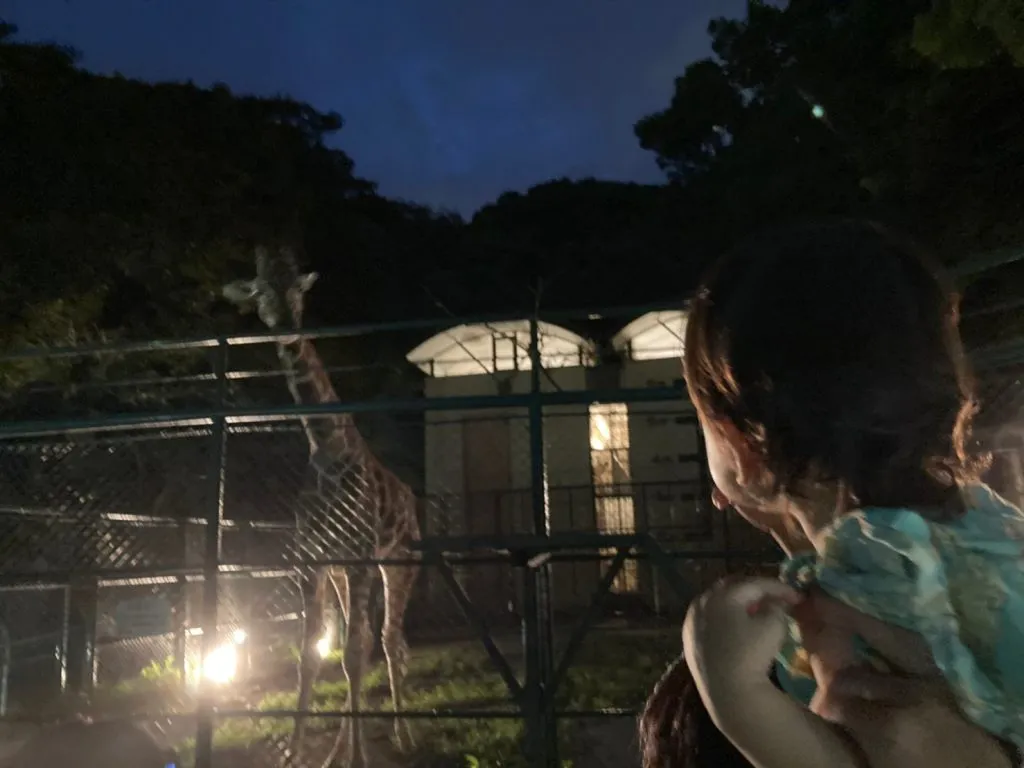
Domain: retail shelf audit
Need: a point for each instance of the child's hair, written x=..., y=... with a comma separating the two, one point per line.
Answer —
x=676, y=730
x=834, y=348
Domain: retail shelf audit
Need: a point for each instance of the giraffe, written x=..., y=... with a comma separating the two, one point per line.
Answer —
x=360, y=495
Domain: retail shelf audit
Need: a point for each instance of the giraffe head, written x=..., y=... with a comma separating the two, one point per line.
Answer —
x=277, y=292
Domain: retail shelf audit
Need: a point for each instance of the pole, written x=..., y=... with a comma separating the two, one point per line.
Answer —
x=211, y=564
x=5, y=666
x=540, y=727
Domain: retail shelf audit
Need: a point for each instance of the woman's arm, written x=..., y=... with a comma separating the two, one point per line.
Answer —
x=907, y=720
x=731, y=636
x=773, y=731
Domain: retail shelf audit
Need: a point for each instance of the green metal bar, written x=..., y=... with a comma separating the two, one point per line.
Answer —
x=337, y=714
x=668, y=569
x=233, y=416
x=484, y=632
x=530, y=543
x=29, y=581
x=999, y=354
x=994, y=309
x=201, y=378
x=541, y=740
x=579, y=633
x=411, y=714
x=974, y=266
x=987, y=261
x=533, y=690
x=211, y=570
x=342, y=331
x=5, y=666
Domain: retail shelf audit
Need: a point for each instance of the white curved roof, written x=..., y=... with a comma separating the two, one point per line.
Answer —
x=654, y=336
x=471, y=350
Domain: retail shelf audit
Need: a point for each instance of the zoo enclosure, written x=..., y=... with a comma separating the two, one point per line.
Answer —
x=144, y=536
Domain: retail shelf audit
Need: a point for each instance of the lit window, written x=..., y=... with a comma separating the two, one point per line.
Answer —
x=613, y=499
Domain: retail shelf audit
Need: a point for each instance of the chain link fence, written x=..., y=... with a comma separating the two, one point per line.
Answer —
x=514, y=548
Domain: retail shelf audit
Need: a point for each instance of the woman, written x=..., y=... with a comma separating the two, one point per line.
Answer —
x=905, y=720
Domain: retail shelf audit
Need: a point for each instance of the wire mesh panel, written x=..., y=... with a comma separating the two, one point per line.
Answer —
x=100, y=516
x=103, y=501
x=506, y=562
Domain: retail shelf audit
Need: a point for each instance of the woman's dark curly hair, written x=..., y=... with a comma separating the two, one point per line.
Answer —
x=676, y=730
x=834, y=348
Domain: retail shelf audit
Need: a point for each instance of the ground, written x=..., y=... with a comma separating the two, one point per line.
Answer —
x=615, y=670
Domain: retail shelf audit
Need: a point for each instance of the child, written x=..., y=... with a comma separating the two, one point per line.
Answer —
x=676, y=731
x=827, y=371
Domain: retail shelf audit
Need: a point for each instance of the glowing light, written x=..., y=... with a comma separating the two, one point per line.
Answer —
x=818, y=112
x=239, y=636
x=221, y=665
x=323, y=646
x=600, y=433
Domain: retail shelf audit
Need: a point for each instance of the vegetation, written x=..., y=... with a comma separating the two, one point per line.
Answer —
x=614, y=670
x=140, y=211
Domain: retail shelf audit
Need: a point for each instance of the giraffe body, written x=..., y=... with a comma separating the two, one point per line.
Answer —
x=365, y=512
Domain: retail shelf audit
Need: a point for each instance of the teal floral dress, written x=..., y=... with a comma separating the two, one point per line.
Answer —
x=960, y=585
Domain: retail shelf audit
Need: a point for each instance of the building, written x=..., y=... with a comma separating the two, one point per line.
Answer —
x=612, y=467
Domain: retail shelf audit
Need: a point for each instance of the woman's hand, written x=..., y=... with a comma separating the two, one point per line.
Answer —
x=904, y=720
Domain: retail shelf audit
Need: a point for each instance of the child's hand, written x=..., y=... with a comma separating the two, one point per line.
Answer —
x=734, y=631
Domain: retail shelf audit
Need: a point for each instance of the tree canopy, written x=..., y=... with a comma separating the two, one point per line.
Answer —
x=971, y=33
x=814, y=107
x=125, y=205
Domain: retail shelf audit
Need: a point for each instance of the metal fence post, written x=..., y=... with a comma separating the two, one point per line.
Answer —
x=179, y=610
x=65, y=638
x=78, y=654
x=5, y=666
x=541, y=733
x=211, y=562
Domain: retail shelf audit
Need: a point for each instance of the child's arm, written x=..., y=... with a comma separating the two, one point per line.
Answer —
x=731, y=636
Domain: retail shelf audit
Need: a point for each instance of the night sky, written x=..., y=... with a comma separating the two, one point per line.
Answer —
x=446, y=102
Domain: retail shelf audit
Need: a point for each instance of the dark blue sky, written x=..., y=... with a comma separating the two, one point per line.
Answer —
x=446, y=102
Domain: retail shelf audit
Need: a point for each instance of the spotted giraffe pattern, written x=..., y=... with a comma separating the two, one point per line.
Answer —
x=371, y=514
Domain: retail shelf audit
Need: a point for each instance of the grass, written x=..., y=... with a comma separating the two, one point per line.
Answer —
x=612, y=670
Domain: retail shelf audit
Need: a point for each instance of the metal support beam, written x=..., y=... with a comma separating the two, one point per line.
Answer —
x=480, y=625
x=579, y=633
x=205, y=418
x=211, y=570
x=539, y=641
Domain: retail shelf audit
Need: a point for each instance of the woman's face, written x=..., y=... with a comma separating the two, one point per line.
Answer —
x=736, y=469
x=739, y=479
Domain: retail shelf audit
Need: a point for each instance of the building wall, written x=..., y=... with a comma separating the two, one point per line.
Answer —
x=478, y=472
x=667, y=468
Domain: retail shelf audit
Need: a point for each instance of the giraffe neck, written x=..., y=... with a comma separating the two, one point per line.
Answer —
x=309, y=383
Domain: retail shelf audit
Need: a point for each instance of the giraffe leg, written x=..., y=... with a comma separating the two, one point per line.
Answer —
x=340, y=584
x=313, y=593
x=399, y=581
x=355, y=662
